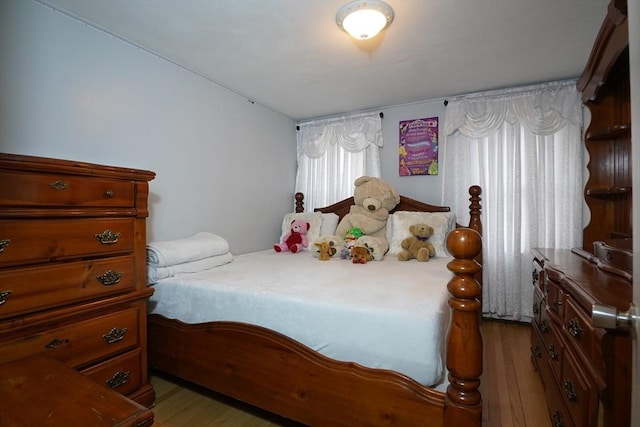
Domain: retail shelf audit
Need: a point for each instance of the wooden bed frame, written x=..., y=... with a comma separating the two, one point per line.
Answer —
x=273, y=372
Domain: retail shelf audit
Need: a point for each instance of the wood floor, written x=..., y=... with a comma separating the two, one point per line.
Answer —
x=512, y=391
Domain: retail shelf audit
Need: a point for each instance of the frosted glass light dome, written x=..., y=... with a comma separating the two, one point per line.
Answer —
x=364, y=19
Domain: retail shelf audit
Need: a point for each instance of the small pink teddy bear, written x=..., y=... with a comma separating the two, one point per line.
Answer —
x=295, y=239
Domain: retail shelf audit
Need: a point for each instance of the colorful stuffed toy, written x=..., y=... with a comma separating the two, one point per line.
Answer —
x=354, y=234
x=360, y=255
x=418, y=245
x=295, y=239
x=325, y=250
x=350, y=240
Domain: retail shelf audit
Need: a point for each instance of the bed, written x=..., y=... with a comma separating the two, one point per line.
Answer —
x=314, y=378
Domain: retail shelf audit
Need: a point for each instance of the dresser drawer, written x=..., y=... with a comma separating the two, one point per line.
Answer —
x=583, y=336
x=30, y=289
x=122, y=373
x=539, y=355
x=555, y=295
x=555, y=349
x=538, y=305
x=537, y=275
x=58, y=190
x=35, y=241
x=544, y=325
x=81, y=343
x=579, y=394
x=558, y=412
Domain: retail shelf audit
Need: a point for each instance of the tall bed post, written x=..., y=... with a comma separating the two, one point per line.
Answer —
x=475, y=223
x=299, y=197
x=463, y=403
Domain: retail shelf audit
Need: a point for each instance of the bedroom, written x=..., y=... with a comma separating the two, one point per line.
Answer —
x=70, y=91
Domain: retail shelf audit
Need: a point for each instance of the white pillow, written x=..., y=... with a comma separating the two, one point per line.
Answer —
x=398, y=229
x=313, y=218
x=389, y=234
x=329, y=224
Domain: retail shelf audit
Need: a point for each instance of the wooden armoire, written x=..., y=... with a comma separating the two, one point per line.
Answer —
x=606, y=93
x=585, y=361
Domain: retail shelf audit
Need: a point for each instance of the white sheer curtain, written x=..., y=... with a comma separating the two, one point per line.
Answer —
x=333, y=152
x=524, y=147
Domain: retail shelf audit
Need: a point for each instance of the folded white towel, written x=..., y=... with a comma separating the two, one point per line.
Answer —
x=172, y=252
x=154, y=274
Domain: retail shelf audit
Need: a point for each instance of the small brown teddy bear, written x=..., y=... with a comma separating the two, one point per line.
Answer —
x=418, y=245
x=360, y=255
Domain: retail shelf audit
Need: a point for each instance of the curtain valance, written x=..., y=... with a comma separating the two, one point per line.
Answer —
x=542, y=111
x=352, y=133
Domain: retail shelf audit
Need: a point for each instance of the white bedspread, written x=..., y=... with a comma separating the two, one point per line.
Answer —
x=388, y=314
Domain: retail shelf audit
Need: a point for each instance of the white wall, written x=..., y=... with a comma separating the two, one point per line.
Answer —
x=70, y=91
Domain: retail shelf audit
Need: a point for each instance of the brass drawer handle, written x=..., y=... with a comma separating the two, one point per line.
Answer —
x=3, y=244
x=574, y=328
x=114, y=335
x=59, y=185
x=570, y=390
x=109, y=193
x=108, y=237
x=556, y=419
x=118, y=379
x=109, y=278
x=553, y=352
x=57, y=342
x=4, y=296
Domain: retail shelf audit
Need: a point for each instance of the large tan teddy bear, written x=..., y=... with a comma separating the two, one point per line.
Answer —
x=373, y=198
x=418, y=245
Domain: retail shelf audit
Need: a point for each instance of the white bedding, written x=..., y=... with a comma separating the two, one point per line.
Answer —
x=384, y=314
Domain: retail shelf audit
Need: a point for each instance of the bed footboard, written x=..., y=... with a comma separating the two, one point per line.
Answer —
x=268, y=370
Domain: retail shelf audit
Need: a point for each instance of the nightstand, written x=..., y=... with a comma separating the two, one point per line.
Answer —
x=41, y=391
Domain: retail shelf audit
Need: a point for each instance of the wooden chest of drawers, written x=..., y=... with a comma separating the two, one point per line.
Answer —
x=73, y=268
x=586, y=370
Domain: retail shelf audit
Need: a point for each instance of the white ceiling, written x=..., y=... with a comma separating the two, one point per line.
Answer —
x=290, y=56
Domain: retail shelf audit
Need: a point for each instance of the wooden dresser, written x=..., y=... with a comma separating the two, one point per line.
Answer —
x=586, y=369
x=73, y=268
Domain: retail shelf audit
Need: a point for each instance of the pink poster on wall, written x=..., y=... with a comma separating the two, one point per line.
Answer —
x=419, y=147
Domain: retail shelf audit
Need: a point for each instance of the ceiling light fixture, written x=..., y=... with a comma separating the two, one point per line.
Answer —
x=364, y=19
